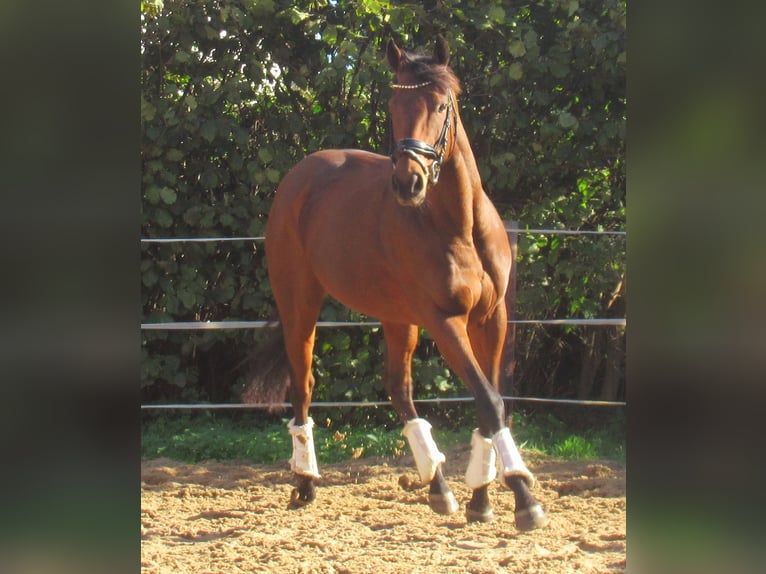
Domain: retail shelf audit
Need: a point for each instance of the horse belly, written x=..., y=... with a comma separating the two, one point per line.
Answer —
x=379, y=301
x=351, y=269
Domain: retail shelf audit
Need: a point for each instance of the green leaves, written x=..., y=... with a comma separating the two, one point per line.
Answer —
x=515, y=71
x=167, y=195
x=152, y=7
x=272, y=175
x=265, y=155
x=517, y=49
x=209, y=130
x=160, y=196
x=567, y=120
x=496, y=14
x=262, y=8
x=148, y=111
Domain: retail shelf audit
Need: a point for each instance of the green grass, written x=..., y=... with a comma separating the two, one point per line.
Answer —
x=549, y=435
x=194, y=438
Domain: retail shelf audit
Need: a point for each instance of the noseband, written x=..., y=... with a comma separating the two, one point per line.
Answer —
x=414, y=149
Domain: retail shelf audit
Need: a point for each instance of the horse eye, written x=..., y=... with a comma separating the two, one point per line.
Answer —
x=442, y=107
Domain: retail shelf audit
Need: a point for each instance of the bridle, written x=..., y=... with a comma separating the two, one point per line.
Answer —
x=414, y=149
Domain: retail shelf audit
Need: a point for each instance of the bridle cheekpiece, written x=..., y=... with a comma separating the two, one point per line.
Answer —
x=414, y=149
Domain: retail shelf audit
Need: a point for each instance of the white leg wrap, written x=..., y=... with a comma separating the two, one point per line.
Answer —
x=424, y=449
x=304, y=459
x=481, y=466
x=509, y=457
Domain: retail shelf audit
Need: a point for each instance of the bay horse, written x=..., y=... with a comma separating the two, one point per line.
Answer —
x=412, y=240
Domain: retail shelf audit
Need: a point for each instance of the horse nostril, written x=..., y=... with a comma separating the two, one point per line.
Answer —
x=409, y=190
x=395, y=183
x=418, y=184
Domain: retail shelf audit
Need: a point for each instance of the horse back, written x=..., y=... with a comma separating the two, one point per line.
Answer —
x=323, y=190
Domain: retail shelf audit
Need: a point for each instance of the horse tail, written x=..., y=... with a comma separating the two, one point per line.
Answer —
x=269, y=370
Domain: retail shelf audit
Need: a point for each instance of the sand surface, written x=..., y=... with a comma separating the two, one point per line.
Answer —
x=371, y=516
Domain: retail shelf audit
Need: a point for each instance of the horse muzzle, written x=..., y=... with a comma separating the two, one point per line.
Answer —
x=411, y=191
x=410, y=185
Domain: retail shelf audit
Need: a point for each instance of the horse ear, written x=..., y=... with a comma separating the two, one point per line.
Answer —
x=394, y=55
x=441, y=51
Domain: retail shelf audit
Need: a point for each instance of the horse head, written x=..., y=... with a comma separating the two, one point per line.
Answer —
x=422, y=110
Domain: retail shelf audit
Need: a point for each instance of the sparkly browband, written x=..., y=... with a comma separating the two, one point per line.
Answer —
x=410, y=86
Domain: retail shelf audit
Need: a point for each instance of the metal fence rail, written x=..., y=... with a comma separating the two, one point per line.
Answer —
x=330, y=404
x=213, y=325
x=262, y=237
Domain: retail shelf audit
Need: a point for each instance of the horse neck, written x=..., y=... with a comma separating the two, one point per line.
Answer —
x=456, y=196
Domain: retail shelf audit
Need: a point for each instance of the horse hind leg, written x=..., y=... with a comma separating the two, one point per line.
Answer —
x=303, y=462
x=299, y=300
x=401, y=341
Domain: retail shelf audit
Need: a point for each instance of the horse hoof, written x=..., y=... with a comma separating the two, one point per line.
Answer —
x=531, y=518
x=298, y=500
x=472, y=515
x=443, y=503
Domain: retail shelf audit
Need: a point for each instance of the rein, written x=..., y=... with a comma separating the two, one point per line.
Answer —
x=414, y=149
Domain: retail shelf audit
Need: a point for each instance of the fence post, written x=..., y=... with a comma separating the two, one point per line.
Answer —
x=508, y=360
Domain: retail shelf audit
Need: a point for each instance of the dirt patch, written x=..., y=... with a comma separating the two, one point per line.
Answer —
x=371, y=516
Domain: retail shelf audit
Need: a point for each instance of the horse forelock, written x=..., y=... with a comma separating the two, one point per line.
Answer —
x=424, y=69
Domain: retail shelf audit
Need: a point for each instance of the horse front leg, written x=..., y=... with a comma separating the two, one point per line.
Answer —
x=485, y=454
x=428, y=461
x=401, y=341
x=491, y=443
x=480, y=473
x=486, y=336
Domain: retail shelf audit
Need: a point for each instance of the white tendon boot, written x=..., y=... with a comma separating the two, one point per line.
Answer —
x=424, y=449
x=481, y=466
x=304, y=459
x=509, y=457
